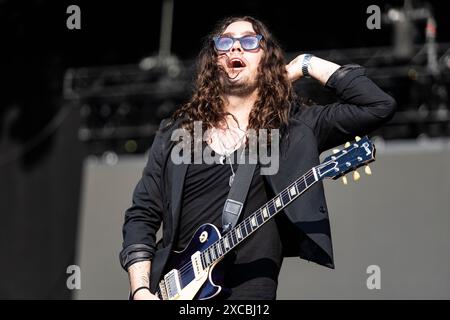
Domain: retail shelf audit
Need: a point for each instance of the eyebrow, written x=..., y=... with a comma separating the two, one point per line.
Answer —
x=245, y=33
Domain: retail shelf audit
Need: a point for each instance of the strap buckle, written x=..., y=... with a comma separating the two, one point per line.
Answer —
x=231, y=211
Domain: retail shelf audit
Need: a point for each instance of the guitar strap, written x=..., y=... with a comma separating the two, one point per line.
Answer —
x=237, y=195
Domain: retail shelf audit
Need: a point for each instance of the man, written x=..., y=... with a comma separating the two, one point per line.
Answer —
x=243, y=83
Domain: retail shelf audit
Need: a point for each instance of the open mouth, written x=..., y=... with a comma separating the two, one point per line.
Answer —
x=236, y=63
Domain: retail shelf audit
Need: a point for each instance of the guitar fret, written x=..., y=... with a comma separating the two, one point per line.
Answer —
x=219, y=250
x=248, y=226
x=278, y=203
x=213, y=254
x=271, y=207
x=222, y=244
x=207, y=258
x=264, y=212
x=259, y=219
x=285, y=197
x=293, y=190
x=233, y=238
x=203, y=260
x=243, y=230
x=226, y=242
x=230, y=239
x=253, y=222
x=238, y=233
x=311, y=180
x=301, y=186
x=237, y=237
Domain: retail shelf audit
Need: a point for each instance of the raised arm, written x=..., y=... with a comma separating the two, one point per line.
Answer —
x=361, y=108
x=318, y=68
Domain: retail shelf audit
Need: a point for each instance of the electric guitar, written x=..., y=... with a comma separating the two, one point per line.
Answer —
x=190, y=274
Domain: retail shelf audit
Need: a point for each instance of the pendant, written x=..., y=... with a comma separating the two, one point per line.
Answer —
x=231, y=180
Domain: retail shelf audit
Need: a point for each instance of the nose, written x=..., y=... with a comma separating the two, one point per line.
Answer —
x=236, y=46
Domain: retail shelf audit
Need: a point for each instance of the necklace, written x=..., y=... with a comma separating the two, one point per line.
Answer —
x=226, y=155
x=231, y=179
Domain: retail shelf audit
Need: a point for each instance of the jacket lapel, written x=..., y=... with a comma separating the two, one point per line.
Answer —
x=178, y=175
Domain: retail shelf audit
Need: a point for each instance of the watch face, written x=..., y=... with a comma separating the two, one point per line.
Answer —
x=305, y=65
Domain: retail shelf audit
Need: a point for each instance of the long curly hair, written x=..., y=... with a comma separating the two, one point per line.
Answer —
x=276, y=94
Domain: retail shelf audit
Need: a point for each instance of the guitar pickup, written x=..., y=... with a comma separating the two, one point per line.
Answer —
x=197, y=265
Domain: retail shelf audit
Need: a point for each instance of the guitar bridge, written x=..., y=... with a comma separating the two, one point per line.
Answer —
x=163, y=290
x=172, y=284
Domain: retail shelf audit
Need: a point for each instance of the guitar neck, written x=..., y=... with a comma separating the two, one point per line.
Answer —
x=257, y=219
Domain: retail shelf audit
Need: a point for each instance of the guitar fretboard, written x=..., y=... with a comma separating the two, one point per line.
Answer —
x=252, y=223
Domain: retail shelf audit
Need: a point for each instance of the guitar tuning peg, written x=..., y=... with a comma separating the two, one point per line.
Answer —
x=357, y=138
x=347, y=144
x=336, y=151
x=356, y=176
x=344, y=180
x=367, y=170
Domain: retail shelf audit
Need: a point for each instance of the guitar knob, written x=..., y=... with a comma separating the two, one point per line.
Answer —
x=367, y=170
x=347, y=144
x=357, y=138
x=356, y=176
x=336, y=151
x=344, y=180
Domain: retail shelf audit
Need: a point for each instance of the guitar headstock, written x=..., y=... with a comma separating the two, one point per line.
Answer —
x=356, y=154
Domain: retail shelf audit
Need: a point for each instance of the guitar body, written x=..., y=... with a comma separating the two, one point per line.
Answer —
x=193, y=284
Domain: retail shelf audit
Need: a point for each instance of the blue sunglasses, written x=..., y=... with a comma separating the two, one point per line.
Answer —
x=250, y=42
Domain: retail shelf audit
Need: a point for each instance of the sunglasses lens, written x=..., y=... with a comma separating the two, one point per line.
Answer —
x=250, y=43
x=247, y=42
x=223, y=43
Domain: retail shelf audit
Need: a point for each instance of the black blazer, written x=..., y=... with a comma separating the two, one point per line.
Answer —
x=157, y=198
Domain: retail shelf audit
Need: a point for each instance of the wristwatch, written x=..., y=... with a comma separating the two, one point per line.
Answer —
x=305, y=65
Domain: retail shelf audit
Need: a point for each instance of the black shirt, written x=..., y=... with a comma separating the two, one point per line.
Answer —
x=252, y=269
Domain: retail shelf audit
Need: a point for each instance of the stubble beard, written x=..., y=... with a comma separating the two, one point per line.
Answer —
x=240, y=87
